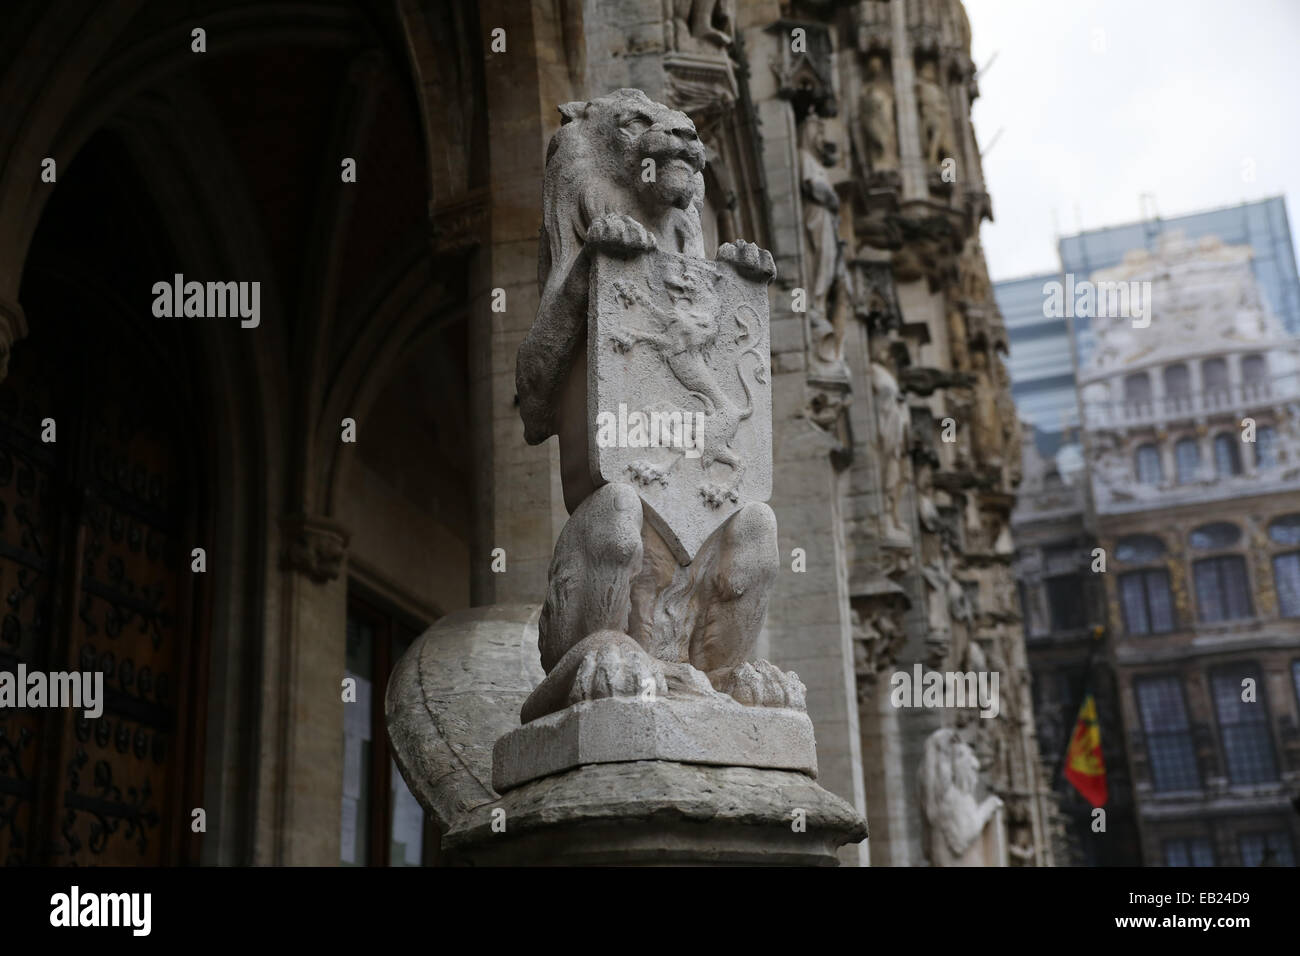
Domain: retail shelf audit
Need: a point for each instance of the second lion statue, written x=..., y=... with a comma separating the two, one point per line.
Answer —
x=622, y=613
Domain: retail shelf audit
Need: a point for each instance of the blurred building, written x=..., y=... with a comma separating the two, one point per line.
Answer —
x=1190, y=438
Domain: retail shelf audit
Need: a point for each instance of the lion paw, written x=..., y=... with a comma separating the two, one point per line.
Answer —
x=647, y=473
x=762, y=684
x=748, y=259
x=616, y=670
x=620, y=235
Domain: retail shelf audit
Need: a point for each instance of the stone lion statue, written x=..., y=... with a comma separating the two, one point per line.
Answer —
x=953, y=822
x=621, y=615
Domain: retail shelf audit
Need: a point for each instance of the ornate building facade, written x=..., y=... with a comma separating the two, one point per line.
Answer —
x=1192, y=465
x=837, y=135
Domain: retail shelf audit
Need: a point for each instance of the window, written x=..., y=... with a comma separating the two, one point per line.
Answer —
x=1214, y=375
x=1148, y=465
x=1285, y=530
x=1193, y=851
x=1215, y=536
x=1266, y=447
x=1222, y=593
x=1137, y=388
x=1141, y=548
x=1065, y=599
x=1227, y=455
x=382, y=823
x=1266, y=849
x=1243, y=727
x=1178, y=381
x=1187, y=457
x=1169, y=736
x=1286, y=575
x=1145, y=598
x=1254, y=369
x=1295, y=677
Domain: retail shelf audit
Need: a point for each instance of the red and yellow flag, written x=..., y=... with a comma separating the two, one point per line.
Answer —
x=1084, y=766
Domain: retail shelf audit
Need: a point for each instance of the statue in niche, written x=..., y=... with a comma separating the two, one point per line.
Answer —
x=988, y=430
x=700, y=26
x=878, y=119
x=662, y=574
x=893, y=422
x=957, y=343
x=957, y=829
x=829, y=294
x=936, y=116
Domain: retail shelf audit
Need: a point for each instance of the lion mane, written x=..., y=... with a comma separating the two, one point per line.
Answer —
x=594, y=168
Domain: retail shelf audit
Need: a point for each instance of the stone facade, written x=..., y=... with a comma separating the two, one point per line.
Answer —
x=837, y=136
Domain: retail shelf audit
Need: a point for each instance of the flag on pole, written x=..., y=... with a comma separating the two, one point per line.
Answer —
x=1084, y=766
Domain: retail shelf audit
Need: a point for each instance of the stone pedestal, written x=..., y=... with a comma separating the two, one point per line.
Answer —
x=715, y=731
x=658, y=812
x=614, y=781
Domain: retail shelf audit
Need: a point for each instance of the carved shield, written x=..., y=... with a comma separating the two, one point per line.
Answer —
x=679, y=395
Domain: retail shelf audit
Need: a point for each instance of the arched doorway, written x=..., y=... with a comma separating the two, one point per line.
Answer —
x=96, y=532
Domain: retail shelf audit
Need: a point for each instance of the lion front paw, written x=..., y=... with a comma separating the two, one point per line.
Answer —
x=762, y=684
x=748, y=259
x=616, y=670
x=620, y=235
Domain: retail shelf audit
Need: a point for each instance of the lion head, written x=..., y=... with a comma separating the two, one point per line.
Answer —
x=596, y=165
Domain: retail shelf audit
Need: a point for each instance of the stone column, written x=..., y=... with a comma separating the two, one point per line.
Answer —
x=302, y=701
x=519, y=507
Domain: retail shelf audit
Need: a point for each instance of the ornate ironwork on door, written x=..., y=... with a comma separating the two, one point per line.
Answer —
x=95, y=532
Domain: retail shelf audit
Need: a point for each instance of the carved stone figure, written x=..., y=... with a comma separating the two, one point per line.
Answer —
x=892, y=425
x=661, y=576
x=955, y=826
x=696, y=26
x=829, y=298
x=879, y=124
x=936, y=116
x=988, y=430
x=976, y=288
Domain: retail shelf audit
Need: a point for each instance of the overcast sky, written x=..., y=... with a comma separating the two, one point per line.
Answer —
x=1099, y=101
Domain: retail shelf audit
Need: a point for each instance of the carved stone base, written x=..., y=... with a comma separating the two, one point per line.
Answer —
x=656, y=812
x=714, y=731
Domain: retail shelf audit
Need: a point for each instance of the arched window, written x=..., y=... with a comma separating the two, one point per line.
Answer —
x=1137, y=388
x=1227, y=455
x=1149, y=471
x=1222, y=585
x=1254, y=369
x=1215, y=536
x=1187, y=457
x=1140, y=549
x=1285, y=530
x=1286, y=566
x=1144, y=594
